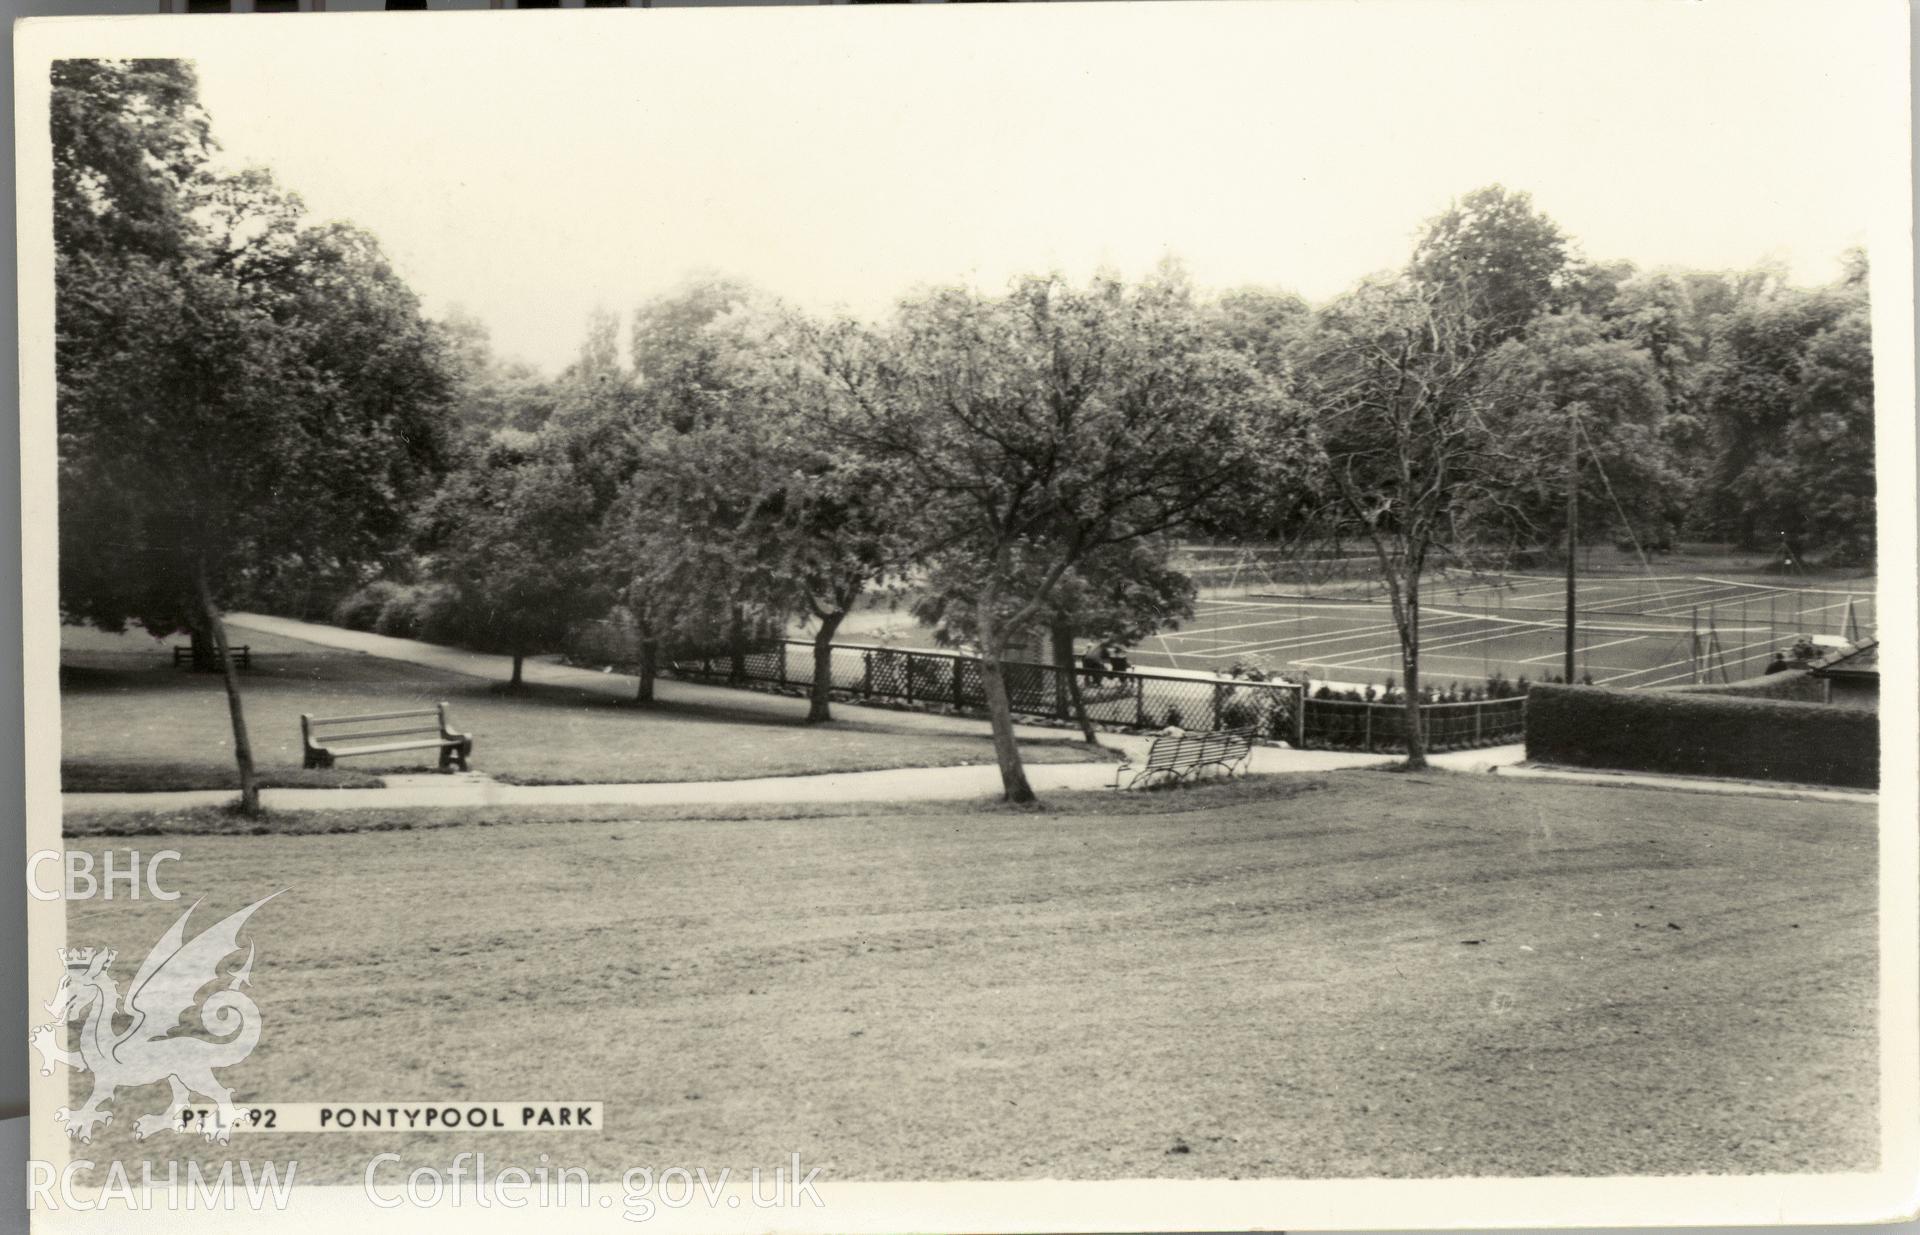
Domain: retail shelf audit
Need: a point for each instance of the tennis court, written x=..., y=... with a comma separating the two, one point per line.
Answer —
x=1640, y=632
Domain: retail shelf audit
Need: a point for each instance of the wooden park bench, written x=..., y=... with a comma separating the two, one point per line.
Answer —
x=1177, y=757
x=326, y=738
x=240, y=654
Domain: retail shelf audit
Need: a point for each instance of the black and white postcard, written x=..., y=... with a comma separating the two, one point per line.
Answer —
x=1037, y=617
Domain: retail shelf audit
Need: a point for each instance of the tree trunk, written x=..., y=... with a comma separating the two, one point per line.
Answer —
x=737, y=646
x=1006, y=751
x=1410, y=670
x=819, y=703
x=518, y=659
x=649, y=668
x=242, y=747
x=1067, y=677
x=204, y=653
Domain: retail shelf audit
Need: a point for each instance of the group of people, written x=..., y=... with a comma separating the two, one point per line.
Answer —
x=1803, y=650
x=1107, y=658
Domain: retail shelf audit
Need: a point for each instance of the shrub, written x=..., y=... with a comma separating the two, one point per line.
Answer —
x=361, y=608
x=1699, y=734
x=407, y=611
x=1239, y=714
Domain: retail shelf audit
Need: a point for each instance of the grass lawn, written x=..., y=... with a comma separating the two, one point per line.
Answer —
x=1352, y=974
x=130, y=720
x=151, y=775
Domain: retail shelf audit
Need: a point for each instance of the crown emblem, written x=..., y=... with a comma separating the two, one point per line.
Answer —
x=83, y=958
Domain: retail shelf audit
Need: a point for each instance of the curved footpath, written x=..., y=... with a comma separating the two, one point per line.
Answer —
x=897, y=784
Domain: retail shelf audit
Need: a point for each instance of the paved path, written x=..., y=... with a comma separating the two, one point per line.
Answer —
x=892, y=785
x=545, y=672
x=899, y=784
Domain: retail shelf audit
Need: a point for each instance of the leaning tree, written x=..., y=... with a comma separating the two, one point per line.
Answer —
x=220, y=430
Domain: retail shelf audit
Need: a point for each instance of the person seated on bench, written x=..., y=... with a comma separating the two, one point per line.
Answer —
x=1116, y=657
x=1091, y=665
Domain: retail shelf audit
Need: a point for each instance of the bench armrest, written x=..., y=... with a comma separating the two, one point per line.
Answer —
x=446, y=731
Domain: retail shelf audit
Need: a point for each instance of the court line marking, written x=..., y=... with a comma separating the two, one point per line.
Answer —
x=1712, y=601
x=1464, y=639
x=1588, y=648
x=1449, y=621
x=1270, y=621
x=1738, y=660
x=1331, y=637
x=1689, y=662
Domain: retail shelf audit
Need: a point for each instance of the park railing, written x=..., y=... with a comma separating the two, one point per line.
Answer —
x=1138, y=699
x=1349, y=724
x=1129, y=699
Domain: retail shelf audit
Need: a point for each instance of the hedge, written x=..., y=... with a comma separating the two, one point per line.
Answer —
x=1703, y=735
x=1788, y=684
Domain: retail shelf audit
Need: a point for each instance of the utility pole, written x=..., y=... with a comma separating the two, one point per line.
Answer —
x=1573, y=525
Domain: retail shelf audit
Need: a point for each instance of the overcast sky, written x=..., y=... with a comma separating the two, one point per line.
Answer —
x=530, y=166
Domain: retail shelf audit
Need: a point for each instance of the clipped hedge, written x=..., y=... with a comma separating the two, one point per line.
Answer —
x=1790, y=684
x=1703, y=735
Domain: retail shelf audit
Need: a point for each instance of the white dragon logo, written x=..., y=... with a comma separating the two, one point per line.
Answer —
x=155, y=1043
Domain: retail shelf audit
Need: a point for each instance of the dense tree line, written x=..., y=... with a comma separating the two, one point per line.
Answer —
x=257, y=408
x=248, y=402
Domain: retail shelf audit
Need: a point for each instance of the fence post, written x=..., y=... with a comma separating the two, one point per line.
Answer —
x=1367, y=728
x=781, y=667
x=1477, y=709
x=1139, y=701
x=910, y=659
x=1300, y=717
x=959, y=690
x=1218, y=692
x=866, y=674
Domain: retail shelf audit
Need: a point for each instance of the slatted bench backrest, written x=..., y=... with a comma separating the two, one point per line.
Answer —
x=431, y=720
x=1172, y=751
x=1179, y=750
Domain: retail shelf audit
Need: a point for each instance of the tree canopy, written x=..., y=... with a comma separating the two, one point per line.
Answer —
x=1050, y=425
x=257, y=409
x=243, y=399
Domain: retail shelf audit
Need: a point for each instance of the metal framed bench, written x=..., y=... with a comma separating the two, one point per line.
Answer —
x=326, y=738
x=240, y=654
x=1182, y=757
